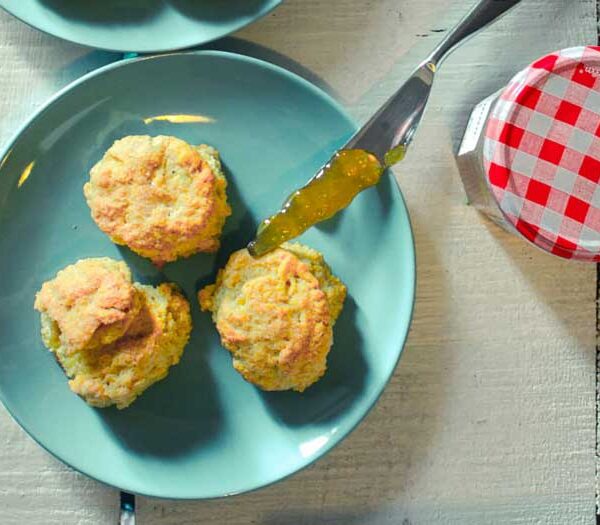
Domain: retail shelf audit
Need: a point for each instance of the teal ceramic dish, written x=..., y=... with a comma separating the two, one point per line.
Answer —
x=202, y=432
x=141, y=26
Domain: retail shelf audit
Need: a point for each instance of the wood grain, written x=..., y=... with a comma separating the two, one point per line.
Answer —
x=490, y=417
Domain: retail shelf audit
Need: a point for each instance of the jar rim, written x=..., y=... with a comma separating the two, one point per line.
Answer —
x=541, y=152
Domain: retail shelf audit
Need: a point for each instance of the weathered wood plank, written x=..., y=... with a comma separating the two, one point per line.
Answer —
x=490, y=417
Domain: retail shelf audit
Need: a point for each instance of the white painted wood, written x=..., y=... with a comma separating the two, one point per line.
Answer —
x=490, y=417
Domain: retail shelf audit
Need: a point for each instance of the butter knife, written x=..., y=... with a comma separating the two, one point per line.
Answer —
x=390, y=131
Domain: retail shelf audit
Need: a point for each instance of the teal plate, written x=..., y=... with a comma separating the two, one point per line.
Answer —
x=141, y=26
x=203, y=431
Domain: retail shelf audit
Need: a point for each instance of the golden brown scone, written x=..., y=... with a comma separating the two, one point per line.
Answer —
x=334, y=288
x=118, y=372
x=93, y=302
x=160, y=196
x=275, y=315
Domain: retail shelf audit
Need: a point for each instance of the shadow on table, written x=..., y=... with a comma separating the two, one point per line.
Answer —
x=552, y=278
x=409, y=415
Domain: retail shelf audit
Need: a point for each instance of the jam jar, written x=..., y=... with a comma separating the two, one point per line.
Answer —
x=530, y=156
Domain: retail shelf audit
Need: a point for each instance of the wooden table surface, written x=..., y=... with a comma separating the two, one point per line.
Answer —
x=491, y=414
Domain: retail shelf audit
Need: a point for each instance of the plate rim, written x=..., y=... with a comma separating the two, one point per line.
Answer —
x=5, y=151
x=167, y=49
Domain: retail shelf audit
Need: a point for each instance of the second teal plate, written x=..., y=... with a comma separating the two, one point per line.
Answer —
x=202, y=432
x=141, y=26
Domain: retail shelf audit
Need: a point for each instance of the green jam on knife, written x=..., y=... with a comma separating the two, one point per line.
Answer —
x=347, y=174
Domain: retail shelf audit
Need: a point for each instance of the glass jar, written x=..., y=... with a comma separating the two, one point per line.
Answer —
x=530, y=156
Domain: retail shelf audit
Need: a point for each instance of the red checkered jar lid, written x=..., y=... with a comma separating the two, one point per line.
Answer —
x=542, y=153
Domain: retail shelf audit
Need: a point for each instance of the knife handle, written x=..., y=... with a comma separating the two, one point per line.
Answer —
x=395, y=123
x=127, y=509
x=479, y=17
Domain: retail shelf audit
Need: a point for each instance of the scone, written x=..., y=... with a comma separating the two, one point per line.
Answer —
x=119, y=370
x=160, y=196
x=275, y=315
x=92, y=302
